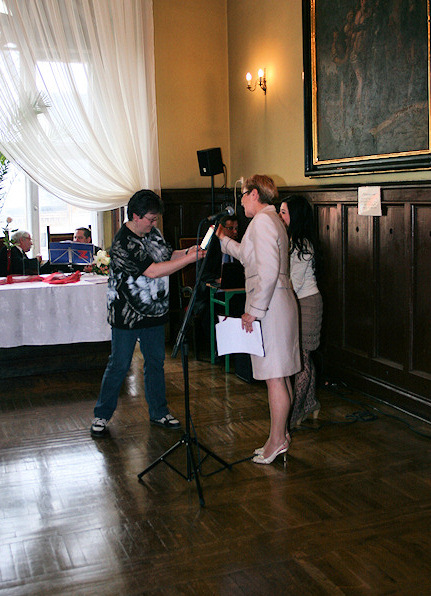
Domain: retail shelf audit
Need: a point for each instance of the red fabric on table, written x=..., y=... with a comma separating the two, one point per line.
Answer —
x=60, y=278
x=19, y=279
x=53, y=278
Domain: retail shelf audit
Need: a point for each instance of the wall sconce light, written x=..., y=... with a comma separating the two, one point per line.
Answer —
x=261, y=80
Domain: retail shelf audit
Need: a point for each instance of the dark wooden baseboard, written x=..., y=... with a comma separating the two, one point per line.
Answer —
x=25, y=361
x=378, y=388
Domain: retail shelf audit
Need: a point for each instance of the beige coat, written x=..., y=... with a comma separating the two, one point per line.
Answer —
x=264, y=252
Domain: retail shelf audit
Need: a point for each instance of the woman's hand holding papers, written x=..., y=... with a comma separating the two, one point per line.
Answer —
x=247, y=322
x=232, y=338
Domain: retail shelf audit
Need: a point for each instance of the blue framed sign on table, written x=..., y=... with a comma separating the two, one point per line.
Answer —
x=366, y=86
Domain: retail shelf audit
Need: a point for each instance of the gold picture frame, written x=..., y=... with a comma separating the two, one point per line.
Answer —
x=366, y=86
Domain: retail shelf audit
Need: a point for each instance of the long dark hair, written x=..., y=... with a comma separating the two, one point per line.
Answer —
x=301, y=230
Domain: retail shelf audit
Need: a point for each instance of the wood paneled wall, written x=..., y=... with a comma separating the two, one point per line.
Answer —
x=185, y=208
x=376, y=285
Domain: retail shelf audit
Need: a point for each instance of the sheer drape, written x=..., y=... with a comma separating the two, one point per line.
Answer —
x=77, y=97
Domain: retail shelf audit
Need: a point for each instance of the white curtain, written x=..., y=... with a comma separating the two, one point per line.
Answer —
x=77, y=97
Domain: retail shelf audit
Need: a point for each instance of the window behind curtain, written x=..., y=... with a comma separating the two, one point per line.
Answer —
x=53, y=212
x=77, y=91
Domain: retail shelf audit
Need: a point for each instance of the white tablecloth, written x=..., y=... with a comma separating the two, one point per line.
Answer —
x=38, y=313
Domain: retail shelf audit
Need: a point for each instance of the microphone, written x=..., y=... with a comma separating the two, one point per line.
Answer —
x=229, y=210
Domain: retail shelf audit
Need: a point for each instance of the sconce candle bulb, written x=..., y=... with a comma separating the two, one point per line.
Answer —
x=261, y=80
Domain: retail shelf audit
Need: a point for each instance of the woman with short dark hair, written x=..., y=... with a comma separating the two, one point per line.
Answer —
x=138, y=308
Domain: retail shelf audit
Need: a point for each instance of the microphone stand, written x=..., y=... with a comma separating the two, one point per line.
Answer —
x=193, y=470
x=212, y=193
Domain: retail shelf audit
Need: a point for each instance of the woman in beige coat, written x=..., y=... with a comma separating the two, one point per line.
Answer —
x=264, y=252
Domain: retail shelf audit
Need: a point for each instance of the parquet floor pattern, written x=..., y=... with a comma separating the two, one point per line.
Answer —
x=350, y=513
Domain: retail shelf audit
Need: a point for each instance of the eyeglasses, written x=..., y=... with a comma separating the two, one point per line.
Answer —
x=231, y=228
x=246, y=192
x=152, y=220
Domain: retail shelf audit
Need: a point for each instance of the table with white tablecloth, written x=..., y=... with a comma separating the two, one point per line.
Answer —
x=69, y=318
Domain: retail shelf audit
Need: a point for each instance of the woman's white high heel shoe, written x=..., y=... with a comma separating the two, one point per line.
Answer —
x=259, y=459
x=260, y=450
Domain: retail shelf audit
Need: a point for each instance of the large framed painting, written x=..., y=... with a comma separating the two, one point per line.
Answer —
x=366, y=86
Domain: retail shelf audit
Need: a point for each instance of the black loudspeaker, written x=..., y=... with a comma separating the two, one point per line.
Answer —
x=210, y=161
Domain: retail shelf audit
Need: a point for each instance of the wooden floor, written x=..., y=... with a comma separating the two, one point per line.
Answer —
x=350, y=513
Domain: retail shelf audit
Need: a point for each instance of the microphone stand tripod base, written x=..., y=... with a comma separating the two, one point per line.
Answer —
x=192, y=469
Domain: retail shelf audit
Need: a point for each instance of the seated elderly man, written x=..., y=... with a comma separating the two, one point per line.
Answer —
x=20, y=263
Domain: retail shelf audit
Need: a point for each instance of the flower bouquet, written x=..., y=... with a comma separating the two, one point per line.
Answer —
x=100, y=265
x=8, y=244
x=7, y=240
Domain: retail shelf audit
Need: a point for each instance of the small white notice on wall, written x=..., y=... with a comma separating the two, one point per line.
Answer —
x=369, y=200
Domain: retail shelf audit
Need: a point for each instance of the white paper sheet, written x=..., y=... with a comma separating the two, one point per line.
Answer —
x=232, y=339
x=94, y=279
x=369, y=201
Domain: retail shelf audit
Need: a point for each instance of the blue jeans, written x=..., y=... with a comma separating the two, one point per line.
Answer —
x=152, y=344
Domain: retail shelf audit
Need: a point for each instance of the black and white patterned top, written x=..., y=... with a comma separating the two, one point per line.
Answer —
x=134, y=300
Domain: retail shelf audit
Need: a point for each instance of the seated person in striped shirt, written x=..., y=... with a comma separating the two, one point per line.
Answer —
x=230, y=228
